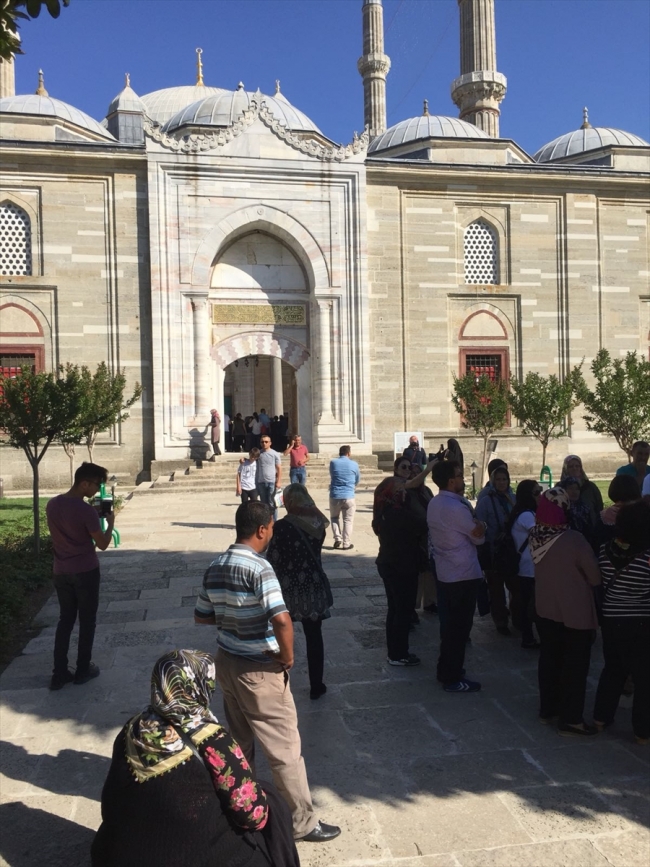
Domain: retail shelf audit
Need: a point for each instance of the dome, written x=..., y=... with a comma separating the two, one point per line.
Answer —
x=225, y=107
x=47, y=106
x=423, y=127
x=126, y=100
x=160, y=105
x=587, y=138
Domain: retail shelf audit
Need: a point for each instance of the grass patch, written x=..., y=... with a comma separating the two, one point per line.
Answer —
x=603, y=487
x=25, y=580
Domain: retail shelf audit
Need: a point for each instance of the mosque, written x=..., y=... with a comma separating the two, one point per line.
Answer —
x=226, y=253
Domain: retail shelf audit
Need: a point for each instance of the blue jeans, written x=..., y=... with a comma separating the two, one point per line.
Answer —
x=298, y=475
x=266, y=491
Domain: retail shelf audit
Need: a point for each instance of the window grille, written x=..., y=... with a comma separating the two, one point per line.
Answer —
x=15, y=241
x=480, y=254
x=484, y=365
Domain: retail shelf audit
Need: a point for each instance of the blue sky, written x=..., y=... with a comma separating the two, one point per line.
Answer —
x=558, y=55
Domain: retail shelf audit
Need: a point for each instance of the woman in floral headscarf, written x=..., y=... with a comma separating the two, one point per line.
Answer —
x=566, y=570
x=179, y=792
x=590, y=494
x=295, y=554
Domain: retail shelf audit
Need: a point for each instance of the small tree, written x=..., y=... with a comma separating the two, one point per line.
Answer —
x=619, y=405
x=34, y=409
x=543, y=404
x=483, y=405
x=103, y=402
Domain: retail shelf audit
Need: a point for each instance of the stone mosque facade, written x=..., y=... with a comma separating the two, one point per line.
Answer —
x=222, y=250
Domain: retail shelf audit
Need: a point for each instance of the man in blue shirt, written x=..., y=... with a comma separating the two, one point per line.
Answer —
x=455, y=534
x=344, y=477
x=639, y=467
x=242, y=597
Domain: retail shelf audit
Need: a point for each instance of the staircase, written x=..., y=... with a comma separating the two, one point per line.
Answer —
x=219, y=475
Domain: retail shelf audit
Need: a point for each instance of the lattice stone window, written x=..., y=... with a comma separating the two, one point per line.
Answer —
x=480, y=254
x=15, y=240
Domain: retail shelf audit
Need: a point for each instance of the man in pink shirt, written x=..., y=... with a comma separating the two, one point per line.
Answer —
x=75, y=530
x=298, y=458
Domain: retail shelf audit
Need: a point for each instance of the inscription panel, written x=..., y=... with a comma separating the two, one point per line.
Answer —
x=258, y=314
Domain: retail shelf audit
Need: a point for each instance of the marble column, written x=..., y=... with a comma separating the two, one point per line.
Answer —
x=201, y=336
x=325, y=359
x=277, y=398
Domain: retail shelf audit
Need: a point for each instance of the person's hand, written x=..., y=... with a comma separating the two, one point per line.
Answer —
x=110, y=520
x=241, y=460
x=479, y=529
x=431, y=464
x=285, y=662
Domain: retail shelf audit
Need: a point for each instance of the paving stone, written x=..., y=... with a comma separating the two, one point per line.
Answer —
x=568, y=853
x=600, y=762
x=630, y=849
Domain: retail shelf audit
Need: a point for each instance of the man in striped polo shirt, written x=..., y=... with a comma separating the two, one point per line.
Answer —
x=241, y=595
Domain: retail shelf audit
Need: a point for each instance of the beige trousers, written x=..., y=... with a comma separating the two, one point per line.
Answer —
x=342, y=509
x=259, y=704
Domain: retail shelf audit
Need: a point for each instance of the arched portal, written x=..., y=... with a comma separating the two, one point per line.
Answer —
x=260, y=330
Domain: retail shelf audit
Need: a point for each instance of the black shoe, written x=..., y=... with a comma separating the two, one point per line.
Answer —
x=84, y=677
x=317, y=691
x=337, y=544
x=568, y=731
x=407, y=661
x=432, y=609
x=503, y=630
x=347, y=548
x=59, y=680
x=321, y=834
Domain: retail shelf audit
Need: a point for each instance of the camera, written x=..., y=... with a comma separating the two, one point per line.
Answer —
x=103, y=506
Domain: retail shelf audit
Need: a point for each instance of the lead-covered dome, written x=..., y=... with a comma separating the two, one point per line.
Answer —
x=587, y=138
x=224, y=108
x=424, y=127
x=46, y=106
x=162, y=104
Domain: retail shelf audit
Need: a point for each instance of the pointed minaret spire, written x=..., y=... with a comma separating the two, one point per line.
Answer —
x=425, y=108
x=480, y=88
x=277, y=86
x=199, y=68
x=374, y=66
x=40, y=90
x=127, y=79
x=585, y=118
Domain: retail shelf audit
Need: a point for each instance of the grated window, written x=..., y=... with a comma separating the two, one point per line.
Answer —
x=484, y=365
x=480, y=254
x=15, y=241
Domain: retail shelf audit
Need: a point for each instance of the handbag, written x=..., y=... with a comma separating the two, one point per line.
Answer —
x=278, y=499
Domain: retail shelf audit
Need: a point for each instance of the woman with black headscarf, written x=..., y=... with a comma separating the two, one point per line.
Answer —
x=179, y=792
x=455, y=453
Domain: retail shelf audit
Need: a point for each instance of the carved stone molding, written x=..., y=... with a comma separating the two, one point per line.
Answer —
x=198, y=142
x=374, y=64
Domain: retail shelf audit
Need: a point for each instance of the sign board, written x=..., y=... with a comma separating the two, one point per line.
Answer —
x=401, y=440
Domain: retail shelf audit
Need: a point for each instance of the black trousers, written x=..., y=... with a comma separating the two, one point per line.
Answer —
x=526, y=596
x=456, y=604
x=251, y=496
x=78, y=593
x=562, y=670
x=626, y=648
x=401, y=584
x=315, y=651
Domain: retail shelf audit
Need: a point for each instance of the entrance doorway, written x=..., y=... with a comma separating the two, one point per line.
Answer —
x=249, y=387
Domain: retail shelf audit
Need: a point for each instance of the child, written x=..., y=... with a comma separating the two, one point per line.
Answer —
x=246, y=471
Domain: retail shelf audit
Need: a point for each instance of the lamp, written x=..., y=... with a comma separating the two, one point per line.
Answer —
x=473, y=467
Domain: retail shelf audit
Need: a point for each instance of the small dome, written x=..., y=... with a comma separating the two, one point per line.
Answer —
x=47, y=106
x=423, y=127
x=126, y=100
x=224, y=108
x=587, y=138
x=160, y=105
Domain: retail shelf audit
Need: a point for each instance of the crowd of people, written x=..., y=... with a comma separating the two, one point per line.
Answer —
x=243, y=433
x=554, y=565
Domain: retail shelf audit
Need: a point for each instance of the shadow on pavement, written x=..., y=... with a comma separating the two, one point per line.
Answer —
x=31, y=836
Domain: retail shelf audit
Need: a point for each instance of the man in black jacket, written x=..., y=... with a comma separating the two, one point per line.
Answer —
x=414, y=453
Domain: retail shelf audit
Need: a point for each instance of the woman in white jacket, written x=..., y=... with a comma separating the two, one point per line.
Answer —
x=520, y=523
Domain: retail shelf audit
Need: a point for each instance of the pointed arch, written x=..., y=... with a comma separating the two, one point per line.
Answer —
x=15, y=240
x=259, y=343
x=272, y=221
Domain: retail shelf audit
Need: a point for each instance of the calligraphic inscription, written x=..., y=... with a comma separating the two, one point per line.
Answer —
x=258, y=314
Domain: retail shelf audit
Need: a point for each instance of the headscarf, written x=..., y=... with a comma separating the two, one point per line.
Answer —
x=182, y=684
x=579, y=512
x=551, y=520
x=582, y=479
x=455, y=453
x=302, y=511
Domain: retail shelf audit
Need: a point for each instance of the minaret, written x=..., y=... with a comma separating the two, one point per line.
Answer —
x=7, y=77
x=480, y=88
x=373, y=67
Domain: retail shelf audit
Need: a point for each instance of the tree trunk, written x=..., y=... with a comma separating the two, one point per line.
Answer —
x=484, y=461
x=544, y=447
x=69, y=449
x=37, y=509
x=90, y=443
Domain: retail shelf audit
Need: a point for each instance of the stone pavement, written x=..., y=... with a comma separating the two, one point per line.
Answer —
x=416, y=777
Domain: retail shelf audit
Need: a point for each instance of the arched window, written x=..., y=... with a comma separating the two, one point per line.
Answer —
x=15, y=241
x=481, y=254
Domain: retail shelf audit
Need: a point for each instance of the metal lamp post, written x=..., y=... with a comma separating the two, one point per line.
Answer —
x=474, y=467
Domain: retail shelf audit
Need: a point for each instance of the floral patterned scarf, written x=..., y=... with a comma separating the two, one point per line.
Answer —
x=182, y=684
x=551, y=520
